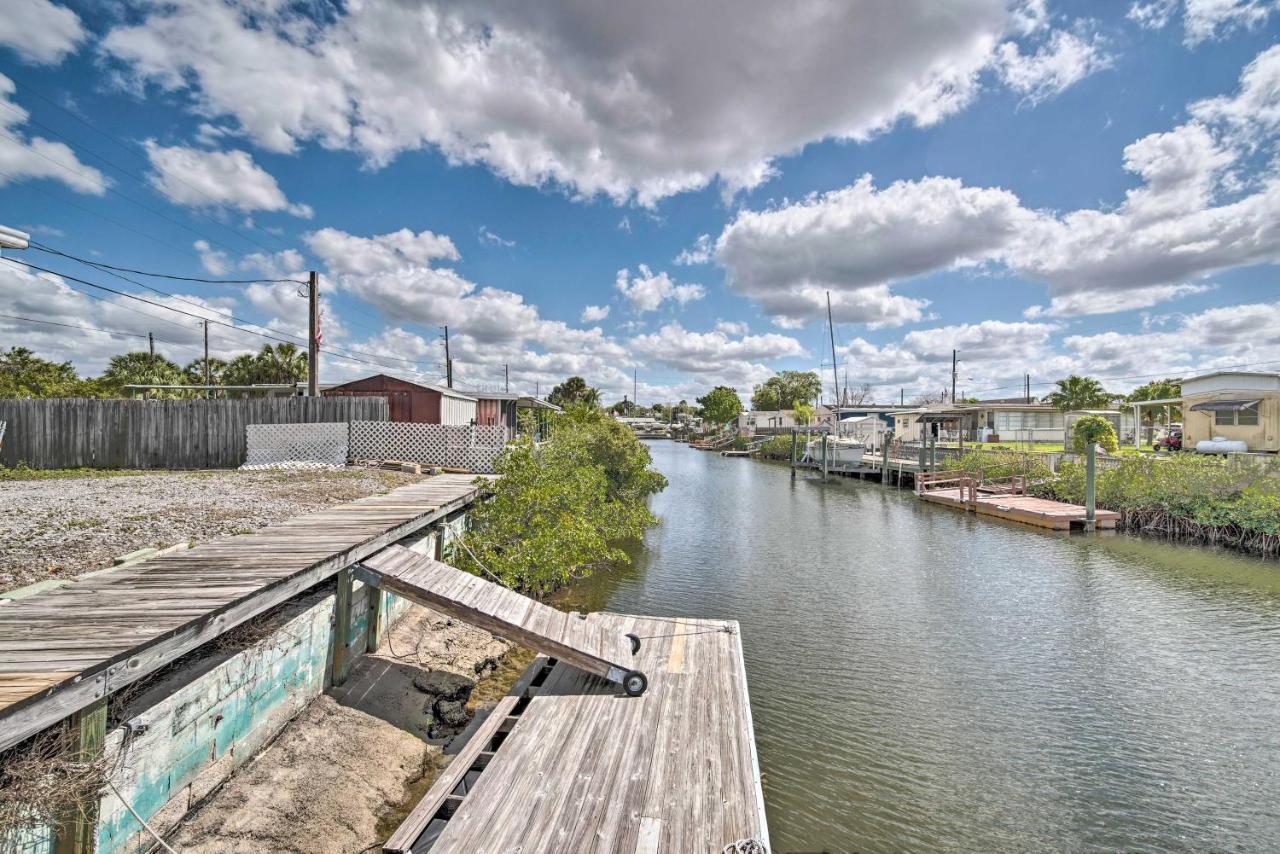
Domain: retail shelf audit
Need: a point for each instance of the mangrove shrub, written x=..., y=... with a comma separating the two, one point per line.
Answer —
x=561, y=508
x=1092, y=430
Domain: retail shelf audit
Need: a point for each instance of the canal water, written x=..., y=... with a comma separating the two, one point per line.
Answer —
x=923, y=680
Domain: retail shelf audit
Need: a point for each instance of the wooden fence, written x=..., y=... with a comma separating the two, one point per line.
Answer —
x=146, y=434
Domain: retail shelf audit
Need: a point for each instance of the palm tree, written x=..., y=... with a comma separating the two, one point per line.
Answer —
x=283, y=363
x=1077, y=392
x=139, y=368
x=195, y=371
x=242, y=370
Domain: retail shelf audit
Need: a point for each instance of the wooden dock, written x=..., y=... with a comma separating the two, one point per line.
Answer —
x=567, y=763
x=68, y=647
x=589, y=646
x=1007, y=499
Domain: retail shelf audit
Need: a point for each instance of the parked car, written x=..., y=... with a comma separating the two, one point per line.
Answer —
x=1172, y=442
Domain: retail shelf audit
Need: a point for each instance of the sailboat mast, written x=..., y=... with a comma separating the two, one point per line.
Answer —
x=835, y=368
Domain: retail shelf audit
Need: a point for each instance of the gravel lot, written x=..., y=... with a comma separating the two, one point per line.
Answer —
x=62, y=527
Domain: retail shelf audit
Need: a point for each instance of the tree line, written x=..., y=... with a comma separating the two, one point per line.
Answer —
x=23, y=374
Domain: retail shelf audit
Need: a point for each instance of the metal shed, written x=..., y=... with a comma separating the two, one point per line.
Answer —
x=410, y=401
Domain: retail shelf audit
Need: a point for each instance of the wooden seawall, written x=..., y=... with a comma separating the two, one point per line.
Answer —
x=66, y=649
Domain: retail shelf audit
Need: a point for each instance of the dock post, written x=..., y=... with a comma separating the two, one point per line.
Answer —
x=341, y=659
x=794, y=442
x=77, y=828
x=825, y=465
x=886, y=441
x=1090, y=484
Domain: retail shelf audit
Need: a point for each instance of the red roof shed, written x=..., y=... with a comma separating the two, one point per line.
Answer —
x=409, y=401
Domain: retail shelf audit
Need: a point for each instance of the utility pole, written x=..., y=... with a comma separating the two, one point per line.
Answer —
x=208, y=392
x=635, y=386
x=151, y=348
x=902, y=397
x=506, y=378
x=953, y=377
x=313, y=334
x=448, y=361
x=835, y=372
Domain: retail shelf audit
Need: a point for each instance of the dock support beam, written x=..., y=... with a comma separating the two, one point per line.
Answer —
x=77, y=828
x=794, y=443
x=373, y=631
x=825, y=465
x=341, y=665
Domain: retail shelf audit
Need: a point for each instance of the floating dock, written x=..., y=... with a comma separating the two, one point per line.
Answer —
x=1007, y=499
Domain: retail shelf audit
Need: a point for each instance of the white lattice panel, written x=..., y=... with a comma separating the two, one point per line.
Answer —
x=296, y=446
x=469, y=447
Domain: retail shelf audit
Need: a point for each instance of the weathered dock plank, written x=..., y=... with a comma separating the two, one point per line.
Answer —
x=64, y=649
x=586, y=645
x=583, y=769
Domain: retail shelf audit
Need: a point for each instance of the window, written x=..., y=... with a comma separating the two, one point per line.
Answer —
x=1246, y=417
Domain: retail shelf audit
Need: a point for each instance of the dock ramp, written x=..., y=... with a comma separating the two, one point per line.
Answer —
x=586, y=645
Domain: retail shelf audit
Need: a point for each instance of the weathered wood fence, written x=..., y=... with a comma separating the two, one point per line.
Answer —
x=145, y=434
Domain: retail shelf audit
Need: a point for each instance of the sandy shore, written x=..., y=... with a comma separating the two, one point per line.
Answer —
x=344, y=773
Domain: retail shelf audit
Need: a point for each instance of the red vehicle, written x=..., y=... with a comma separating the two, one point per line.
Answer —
x=1172, y=442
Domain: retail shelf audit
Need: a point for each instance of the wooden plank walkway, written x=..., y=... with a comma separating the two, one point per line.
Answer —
x=65, y=648
x=503, y=612
x=577, y=767
x=1041, y=512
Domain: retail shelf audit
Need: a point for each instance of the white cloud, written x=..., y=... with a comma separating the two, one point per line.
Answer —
x=730, y=327
x=1110, y=301
x=594, y=313
x=35, y=157
x=716, y=356
x=646, y=290
x=488, y=237
x=49, y=298
x=1190, y=216
x=857, y=240
x=1203, y=20
x=40, y=31
x=702, y=252
x=1063, y=61
x=1152, y=14
x=347, y=253
x=613, y=99
x=196, y=178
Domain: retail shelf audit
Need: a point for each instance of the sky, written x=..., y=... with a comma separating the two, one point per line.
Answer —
x=657, y=196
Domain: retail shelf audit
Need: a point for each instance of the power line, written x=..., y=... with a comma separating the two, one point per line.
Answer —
x=115, y=192
x=135, y=176
x=121, y=332
x=105, y=267
x=297, y=339
x=126, y=294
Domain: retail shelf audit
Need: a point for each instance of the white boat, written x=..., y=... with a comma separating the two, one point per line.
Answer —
x=840, y=452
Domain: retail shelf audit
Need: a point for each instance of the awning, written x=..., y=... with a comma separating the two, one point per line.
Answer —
x=1224, y=405
x=938, y=417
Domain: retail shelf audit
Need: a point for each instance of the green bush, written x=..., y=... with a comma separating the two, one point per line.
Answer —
x=1092, y=430
x=994, y=464
x=776, y=448
x=1204, y=497
x=561, y=508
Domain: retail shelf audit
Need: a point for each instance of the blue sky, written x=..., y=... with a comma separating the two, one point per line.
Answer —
x=666, y=194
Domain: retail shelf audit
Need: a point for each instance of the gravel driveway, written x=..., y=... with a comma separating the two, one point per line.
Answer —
x=59, y=528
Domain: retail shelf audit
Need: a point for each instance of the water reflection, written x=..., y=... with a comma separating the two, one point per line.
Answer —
x=926, y=680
